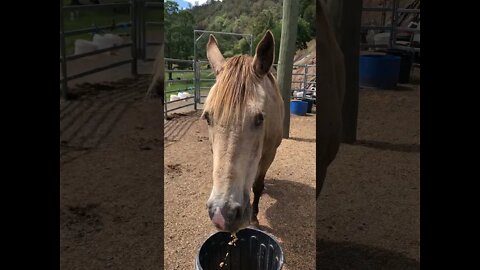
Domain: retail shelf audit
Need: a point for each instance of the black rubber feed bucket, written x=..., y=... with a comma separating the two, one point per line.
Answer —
x=254, y=250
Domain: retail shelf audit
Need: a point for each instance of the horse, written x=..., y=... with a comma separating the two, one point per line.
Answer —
x=331, y=91
x=244, y=113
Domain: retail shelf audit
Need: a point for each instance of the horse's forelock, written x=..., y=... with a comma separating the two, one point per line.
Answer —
x=236, y=86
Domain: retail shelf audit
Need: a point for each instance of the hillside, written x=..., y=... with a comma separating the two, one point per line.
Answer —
x=234, y=16
x=306, y=56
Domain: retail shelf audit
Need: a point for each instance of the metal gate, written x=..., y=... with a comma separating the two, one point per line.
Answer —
x=200, y=80
x=197, y=36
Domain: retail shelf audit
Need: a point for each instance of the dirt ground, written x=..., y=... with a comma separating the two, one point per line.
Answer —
x=111, y=179
x=368, y=213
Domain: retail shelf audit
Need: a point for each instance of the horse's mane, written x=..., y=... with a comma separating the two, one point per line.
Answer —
x=235, y=87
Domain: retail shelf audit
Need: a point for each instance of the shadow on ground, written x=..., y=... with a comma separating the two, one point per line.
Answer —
x=347, y=255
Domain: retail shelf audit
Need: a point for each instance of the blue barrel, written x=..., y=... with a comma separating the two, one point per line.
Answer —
x=380, y=71
x=298, y=107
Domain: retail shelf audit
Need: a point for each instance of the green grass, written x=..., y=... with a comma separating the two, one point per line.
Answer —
x=184, y=86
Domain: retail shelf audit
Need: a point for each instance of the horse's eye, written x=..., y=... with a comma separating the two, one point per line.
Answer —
x=207, y=117
x=258, y=119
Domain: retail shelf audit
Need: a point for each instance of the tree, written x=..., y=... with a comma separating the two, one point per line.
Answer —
x=304, y=34
x=254, y=17
x=178, y=33
x=309, y=16
x=170, y=7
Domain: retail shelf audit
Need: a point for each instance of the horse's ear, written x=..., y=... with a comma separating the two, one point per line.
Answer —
x=264, y=55
x=214, y=55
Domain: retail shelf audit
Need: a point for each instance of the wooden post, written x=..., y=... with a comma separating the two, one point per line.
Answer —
x=286, y=54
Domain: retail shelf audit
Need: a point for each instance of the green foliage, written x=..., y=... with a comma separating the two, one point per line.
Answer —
x=309, y=16
x=179, y=26
x=304, y=34
x=249, y=17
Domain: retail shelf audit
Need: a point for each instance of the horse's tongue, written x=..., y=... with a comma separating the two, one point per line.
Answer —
x=218, y=219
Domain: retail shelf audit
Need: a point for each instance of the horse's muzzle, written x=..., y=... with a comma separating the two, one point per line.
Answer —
x=228, y=217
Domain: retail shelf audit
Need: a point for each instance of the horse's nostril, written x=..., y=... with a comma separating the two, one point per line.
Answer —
x=238, y=212
x=210, y=210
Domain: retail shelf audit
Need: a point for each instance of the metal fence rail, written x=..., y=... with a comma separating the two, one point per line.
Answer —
x=167, y=102
x=63, y=34
x=393, y=28
x=137, y=26
x=306, y=86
